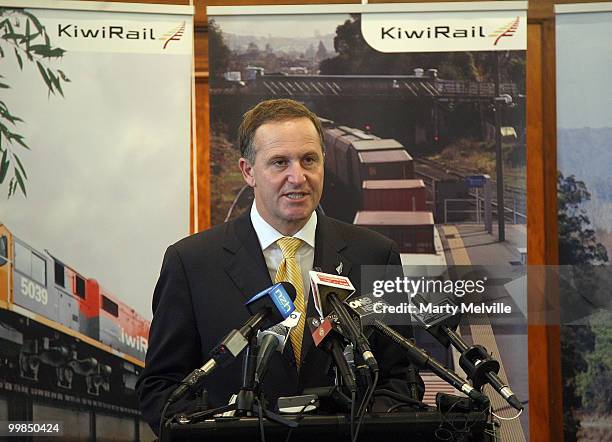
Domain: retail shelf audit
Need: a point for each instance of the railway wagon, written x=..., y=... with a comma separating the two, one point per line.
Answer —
x=394, y=195
x=413, y=232
x=385, y=165
x=43, y=285
x=339, y=144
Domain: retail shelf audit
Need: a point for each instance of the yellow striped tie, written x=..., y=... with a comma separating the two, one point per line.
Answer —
x=289, y=270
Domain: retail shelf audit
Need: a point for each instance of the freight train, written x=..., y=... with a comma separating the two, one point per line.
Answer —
x=68, y=346
x=376, y=180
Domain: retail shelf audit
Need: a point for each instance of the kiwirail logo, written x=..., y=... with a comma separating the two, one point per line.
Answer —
x=173, y=35
x=431, y=32
x=119, y=32
x=508, y=30
x=122, y=35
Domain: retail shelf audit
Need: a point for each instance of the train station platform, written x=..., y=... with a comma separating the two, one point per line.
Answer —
x=471, y=244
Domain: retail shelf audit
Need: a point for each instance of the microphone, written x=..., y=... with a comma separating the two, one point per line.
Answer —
x=475, y=360
x=329, y=292
x=421, y=359
x=363, y=307
x=273, y=304
x=325, y=336
x=271, y=340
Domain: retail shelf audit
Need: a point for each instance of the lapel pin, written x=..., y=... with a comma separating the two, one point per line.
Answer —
x=339, y=268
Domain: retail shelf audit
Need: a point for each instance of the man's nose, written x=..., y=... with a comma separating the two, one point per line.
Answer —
x=296, y=173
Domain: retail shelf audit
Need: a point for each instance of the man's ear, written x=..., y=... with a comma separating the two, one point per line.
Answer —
x=247, y=171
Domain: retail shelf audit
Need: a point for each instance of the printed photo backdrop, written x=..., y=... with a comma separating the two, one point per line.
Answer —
x=584, y=156
x=96, y=138
x=95, y=127
x=441, y=92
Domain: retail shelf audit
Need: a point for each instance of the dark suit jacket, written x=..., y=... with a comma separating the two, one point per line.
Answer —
x=204, y=282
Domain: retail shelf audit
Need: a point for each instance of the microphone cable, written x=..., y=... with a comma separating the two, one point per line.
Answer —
x=352, y=421
x=298, y=417
x=260, y=416
x=364, y=404
x=161, y=420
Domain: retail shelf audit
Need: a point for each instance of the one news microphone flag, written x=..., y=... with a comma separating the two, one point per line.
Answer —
x=329, y=291
x=274, y=304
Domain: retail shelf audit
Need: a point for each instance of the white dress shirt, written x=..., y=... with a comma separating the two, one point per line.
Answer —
x=273, y=255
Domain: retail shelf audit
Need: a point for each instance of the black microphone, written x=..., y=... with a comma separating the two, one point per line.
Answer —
x=421, y=359
x=331, y=290
x=271, y=340
x=475, y=360
x=273, y=304
x=327, y=337
x=364, y=309
x=481, y=367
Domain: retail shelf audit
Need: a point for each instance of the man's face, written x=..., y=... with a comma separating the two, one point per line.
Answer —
x=287, y=175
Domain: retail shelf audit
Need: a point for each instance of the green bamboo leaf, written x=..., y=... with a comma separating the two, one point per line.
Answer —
x=20, y=166
x=20, y=181
x=19, y=60
x=19, y=139
x=56, y=52
x=44, y=75
x=4, y=164
x=42, y=50
x=12, y=36
x=12, y=185
x=63, y=76
x=29, y=36
x=1, y=52
x=37, y=24
x=4, y=86
x=55, y=81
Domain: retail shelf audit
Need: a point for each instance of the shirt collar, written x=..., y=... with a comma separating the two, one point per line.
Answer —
x=268, y=235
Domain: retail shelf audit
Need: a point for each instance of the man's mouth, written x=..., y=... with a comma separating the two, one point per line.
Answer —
x=295, y=195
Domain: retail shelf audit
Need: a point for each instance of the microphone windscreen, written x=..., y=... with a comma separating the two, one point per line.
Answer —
x=290, y=289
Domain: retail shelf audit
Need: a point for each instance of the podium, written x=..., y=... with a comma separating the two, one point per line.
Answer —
x=385, y=427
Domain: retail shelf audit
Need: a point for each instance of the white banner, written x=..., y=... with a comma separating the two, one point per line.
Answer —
x=113, y=32
x=446, y=31
x=103, y=101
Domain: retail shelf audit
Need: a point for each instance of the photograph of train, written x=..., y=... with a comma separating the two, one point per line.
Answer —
x=93, y=187
x=67, y=345
x=425, y=148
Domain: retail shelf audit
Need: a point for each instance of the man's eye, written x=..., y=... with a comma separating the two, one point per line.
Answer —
x=279, y=163
x=309, y=161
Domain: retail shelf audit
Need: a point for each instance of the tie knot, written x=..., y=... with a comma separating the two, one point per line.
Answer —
x=289, y=246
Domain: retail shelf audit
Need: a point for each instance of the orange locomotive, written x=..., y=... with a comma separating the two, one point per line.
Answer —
x=53, y=319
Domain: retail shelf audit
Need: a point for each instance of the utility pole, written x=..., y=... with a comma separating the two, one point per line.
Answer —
x=499, y=102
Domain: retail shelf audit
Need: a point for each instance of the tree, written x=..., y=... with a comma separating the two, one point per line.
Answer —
x=577, y=242
x=23, y=34
x=577, y=247
x=355, y=56
x=217, y=51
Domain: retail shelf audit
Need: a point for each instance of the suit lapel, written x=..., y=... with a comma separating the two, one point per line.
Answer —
x=245, y=263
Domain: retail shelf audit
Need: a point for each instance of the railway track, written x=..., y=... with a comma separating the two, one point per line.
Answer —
x=515, y=197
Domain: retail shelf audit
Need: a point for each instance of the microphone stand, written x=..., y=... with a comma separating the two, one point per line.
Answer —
x=245, y=404
x=246, y=394
x=481, y=367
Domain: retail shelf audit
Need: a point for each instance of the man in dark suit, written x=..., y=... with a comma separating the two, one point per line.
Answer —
x=206, y=278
